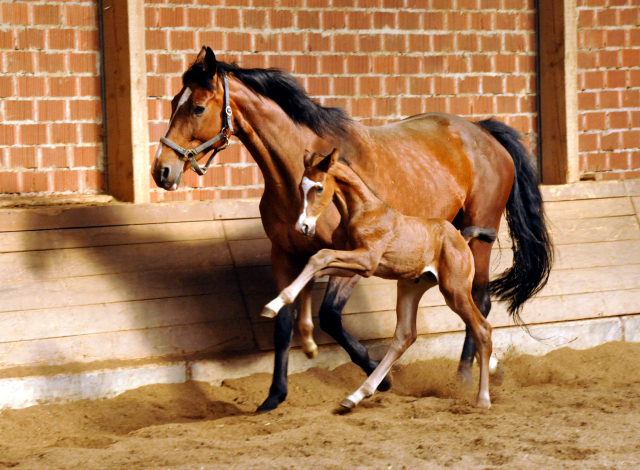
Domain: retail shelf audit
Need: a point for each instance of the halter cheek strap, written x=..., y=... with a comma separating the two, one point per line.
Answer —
x=225, y=133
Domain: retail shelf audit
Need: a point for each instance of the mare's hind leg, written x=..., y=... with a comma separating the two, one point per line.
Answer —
x=338, y=292
x=409, y=294
x=480, y=292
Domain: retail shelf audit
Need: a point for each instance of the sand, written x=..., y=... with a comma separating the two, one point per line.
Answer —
x=569, y=409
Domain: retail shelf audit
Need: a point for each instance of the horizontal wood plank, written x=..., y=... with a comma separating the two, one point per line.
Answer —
x=75, y=262
x=110, y=288
x=121, y=316
x=126, y=345
x=251, y=252
x=589, y=208
x=582, y=190
x=244, y=229
x=108, y=236
x=57, y=217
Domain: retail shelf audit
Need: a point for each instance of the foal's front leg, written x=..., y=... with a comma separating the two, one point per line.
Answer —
x=358, y=261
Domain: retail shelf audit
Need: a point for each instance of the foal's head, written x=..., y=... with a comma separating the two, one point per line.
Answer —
x=317, y=188
x=197, y=115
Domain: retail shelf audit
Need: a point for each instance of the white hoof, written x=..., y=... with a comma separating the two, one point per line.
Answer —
x=272, y=308
x=493, y=365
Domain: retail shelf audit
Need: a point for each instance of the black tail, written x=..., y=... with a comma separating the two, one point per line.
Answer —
x=532, y=248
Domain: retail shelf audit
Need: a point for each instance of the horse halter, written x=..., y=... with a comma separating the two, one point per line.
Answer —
x=225, y=133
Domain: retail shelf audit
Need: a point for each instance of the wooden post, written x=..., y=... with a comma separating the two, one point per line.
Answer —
x=557, y=40
x=125, y=77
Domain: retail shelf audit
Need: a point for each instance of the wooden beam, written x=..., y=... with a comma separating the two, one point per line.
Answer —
x=557, y=51
x=125, y=75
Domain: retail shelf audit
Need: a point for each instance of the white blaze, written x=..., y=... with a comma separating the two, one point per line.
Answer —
x=306, y=186
x=183, y=99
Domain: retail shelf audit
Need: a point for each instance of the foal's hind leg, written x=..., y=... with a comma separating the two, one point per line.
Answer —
x=338, y=292
x=409, y=294
x=480, y=293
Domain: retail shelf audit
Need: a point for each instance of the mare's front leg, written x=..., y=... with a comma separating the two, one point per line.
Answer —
x=409, y=294
x=480, y=292
x=285, y=269
x=335, y=298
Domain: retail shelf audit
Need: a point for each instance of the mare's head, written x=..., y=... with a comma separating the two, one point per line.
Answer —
x=317, y=188
x=197, y=115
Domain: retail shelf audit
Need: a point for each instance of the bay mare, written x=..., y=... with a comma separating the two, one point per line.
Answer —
x=431, y=165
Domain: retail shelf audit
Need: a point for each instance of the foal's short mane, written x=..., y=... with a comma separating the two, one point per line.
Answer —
x=282, y=88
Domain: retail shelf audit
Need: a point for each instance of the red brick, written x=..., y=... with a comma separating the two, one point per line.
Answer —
x=410, y=106
x=172, y=17
x=9, y=183
x=358, y=64
x=345, y=43
x=182, y=40
x=609, y=99
x=92, y=180
x=629, y=16
x=394, y=42
x=156, y=40
x=434, y=64
x=479, y=63
x=368, y=86
x=444, y=85
x=483, y=21
x=33, y=134
x=630, y=98
x=618, y=161
x=7, y=39
x=241, y=42
x=46, y=14
x=279, y=19
x=64, y=133
x=384, y=19
x=334, y=19
x=516, y=84
x=408, y=65
x=490, y=43
x=616, y=79
x=507, y=104
x=505, y=63
x=506, y=21
x=306, y=64
x=515, y=42
x=280, y=62
x=62, y=38
x=7, y=134
x=385, y=64
x=468, y=43
x=409, y=20
x=421, y=86
x=469, y=85
x=369, y=42
x=79, y=15
x=317, y=42
x=344, y=86
x=630, y=57
x=15, y=13
x=631, y=139
x=443, y=43
x=308, y=19
x=434, y=20
x=586, y=18
x=55, y=62
x=85, y=110
x=30, y=38
x=594, y=121
x=169, y=63
x=257, y=61
x=593, y=80
x=608, y=59
x=30, y=86
x=588, y=143
x=51, y=110
x=18, y=110
x=66, y=180
x=83, y=63
x=619, y=120
x=420, y=43
x=458, y=21
x=19, y=62
x=332, y=64
x=595, y=162
x=23, y=157
x=435, y=104
x=266, y=42
x=91, y=133
x=610, y=141
x=385, y=106
x=395, y=85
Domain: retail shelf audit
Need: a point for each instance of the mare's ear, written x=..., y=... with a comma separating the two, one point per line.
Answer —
x=308, y=159
x=210, y=62
x=329, y=161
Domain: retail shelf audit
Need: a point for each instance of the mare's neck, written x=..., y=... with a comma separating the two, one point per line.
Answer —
x=353, y=196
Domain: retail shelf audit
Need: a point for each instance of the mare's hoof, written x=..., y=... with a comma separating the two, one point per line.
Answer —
x=347, y=405
x=270, y=404
x=386, y=383
x=269, y=313
x=465, y=377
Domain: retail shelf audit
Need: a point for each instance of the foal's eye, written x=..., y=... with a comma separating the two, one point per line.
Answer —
x=319, y=189
x=198, y=110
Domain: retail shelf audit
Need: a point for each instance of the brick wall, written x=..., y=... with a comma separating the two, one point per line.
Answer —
x=609, y=88
x=381, y=60
x=50, y=138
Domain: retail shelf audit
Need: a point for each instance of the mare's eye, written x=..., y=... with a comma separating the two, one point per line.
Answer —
x=198, y=110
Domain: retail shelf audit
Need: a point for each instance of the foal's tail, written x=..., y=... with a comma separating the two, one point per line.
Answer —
x=532, y=248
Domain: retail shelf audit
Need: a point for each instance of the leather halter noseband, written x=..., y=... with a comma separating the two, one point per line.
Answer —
x=225, y=133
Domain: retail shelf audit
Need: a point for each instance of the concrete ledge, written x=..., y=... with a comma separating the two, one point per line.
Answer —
x=22, y=392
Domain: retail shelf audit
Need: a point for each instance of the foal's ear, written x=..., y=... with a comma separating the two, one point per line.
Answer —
x=308, y=159
x=210, y=62
x=329, y=161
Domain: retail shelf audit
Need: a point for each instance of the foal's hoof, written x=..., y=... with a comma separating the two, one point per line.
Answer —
x=496, y=374
x=386, y=383
x=483, y=403
x=347, y=405
x=311, y=353
x=268, y=312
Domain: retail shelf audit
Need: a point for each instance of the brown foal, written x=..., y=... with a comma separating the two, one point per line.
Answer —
x=417, y=252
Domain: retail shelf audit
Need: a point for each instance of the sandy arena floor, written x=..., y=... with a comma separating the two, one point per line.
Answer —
x=570, y=409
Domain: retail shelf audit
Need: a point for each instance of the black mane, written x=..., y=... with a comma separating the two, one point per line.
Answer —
x=283, y=89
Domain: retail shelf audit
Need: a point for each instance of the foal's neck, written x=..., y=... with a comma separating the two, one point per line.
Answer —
x=354, y=196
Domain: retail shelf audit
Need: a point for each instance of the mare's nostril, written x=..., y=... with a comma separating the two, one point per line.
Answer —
x=165, y=172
